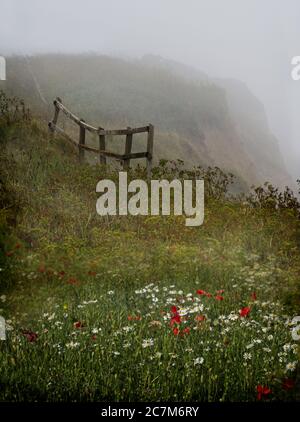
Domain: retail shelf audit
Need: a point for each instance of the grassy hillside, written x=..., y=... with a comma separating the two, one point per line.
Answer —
x=139, y=308
x=195, y=117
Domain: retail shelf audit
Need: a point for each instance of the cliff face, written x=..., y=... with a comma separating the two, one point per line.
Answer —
x=246, y=145
x=197, y=119
x=252, y=128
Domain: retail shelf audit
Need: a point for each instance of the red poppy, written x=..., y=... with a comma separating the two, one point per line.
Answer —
x=220, y=292
x=41, y=269
x=176, y=331
x=9, y=253
x=134, y=317
x=262, y=391
x=61, y=274
x=218, y=297
x=72, y=281
x=17, y=245
x=208, y=294
x=78, y=324
x=92, y=273
x=244, y=312
x=94, y=337
x=186, y=330
x=174, y=310
x=200, y=318
x=253, y=296
x=30, y=335
x=175, y=320
x=201, y=292
x=288, y=384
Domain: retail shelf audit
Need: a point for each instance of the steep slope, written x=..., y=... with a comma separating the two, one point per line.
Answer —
x=248, y=116
x=252, y=127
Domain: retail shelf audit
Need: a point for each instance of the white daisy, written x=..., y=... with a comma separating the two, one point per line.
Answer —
x=291, y=366
x=148, y=342
x=198, y=361
x=72, y=345
x=247, y=356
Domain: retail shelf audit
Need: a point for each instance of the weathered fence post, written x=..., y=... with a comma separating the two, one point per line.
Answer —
x=55, y=118
x=125, y=158
x=150, y=150
x=81, y=142
x=102, y=157
x=128, y=146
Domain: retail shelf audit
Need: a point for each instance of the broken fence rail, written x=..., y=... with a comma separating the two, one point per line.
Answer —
x=102, y=133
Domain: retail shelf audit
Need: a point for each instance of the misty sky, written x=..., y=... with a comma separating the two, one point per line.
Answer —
x=251, y=40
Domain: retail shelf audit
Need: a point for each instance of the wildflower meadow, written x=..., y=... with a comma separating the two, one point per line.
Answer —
x=140, y=308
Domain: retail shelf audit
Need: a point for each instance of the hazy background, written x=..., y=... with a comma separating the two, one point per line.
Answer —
x=250, y=40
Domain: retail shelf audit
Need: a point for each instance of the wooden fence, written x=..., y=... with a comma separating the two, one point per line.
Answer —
x=102, y=133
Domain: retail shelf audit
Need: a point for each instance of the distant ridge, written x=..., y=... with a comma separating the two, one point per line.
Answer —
x=199, y=120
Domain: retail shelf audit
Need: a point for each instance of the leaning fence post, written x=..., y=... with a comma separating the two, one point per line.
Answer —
x=81, y=142
x=128, y=146
x=52, y=124
x=102, y=157
x=150, y=139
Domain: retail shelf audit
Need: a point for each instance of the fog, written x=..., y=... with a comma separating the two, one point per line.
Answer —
x=250, y=40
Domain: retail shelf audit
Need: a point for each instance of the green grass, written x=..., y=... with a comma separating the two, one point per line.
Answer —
x=118, y=277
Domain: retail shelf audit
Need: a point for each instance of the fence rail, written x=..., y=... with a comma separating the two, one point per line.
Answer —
x=102, y=133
